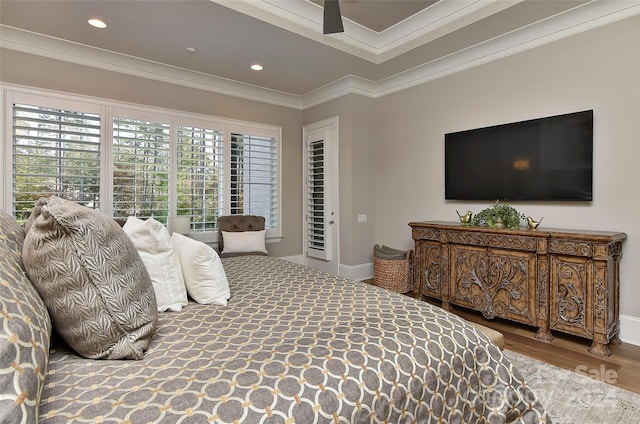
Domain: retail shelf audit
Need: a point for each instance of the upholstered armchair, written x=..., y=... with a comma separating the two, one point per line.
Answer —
x=244, y=235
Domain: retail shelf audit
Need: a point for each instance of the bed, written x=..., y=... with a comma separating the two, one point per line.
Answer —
x=286, y=344
x=296, y=345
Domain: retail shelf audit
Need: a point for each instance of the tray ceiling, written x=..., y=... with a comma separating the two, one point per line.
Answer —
x=387, y=44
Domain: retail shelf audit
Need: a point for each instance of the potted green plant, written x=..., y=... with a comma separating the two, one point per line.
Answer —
x=499, y=215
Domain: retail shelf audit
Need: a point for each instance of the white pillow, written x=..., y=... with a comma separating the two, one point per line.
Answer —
x=153, y=242
x=203, y=273
x=243, y=241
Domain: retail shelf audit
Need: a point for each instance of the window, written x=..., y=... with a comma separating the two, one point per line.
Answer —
x=199, y=176
x=143, y=163
x=140, y=169
x=55, y=151
x=253, y=177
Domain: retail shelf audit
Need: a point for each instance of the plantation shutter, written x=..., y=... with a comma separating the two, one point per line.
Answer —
x=140, y=169
x=253, y=177
x=199, y=176
x=55, y=151
x=316, y=231
x=144, y=162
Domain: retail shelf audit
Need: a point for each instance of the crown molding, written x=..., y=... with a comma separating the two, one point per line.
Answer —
x=350, y=84
x=590, y=16
x=594, y=15
x=80, y=54
x=305, y=18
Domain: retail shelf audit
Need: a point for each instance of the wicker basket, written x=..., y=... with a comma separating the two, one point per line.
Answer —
x=395, y=275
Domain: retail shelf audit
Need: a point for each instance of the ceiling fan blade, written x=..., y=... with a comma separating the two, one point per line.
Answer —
x=332, y=18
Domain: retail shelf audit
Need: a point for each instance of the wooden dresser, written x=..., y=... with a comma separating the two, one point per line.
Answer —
x=552, y=279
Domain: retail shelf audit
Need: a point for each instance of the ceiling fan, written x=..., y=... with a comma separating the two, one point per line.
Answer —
x=332, y=22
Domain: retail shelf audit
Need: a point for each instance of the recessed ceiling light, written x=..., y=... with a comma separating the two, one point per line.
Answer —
x=97, y=23
x=257, y=67
x=191, y=49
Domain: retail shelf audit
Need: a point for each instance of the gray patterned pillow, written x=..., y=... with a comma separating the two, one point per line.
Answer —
x=25, y=332
x=12, y=233
x=91, y=278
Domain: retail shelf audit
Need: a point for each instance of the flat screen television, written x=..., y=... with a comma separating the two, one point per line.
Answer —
x=548, y=158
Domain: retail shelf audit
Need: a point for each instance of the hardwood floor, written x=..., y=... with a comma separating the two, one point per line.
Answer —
x=621, y=369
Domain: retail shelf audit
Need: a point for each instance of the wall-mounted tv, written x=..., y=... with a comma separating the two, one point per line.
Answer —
x=540, y=159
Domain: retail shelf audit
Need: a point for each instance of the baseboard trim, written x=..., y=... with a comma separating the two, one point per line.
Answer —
x=352, y=272
x=299, y=259
x=630, y=329
x=357, y=272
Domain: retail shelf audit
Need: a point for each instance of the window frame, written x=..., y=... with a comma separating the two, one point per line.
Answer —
x=108, y=109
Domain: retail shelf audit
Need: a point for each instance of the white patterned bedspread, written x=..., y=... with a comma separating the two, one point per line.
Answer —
x=295, y=345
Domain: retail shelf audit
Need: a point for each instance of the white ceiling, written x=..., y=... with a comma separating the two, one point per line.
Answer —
x=387, y=44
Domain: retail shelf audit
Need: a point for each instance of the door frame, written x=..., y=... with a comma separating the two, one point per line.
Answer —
x=330, y=126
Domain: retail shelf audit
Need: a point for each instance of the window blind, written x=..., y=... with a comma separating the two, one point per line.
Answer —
x=55, y=151
x=200, y=184
x=140, y=169
x=315, y=199
x=253, y=177
x=143, y=162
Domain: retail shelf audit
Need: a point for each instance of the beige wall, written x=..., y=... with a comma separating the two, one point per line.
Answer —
x=597, y=70
x=34, y=71
x=391, y=148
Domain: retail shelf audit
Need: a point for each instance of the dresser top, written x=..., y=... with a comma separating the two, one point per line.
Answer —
x=542, y=232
